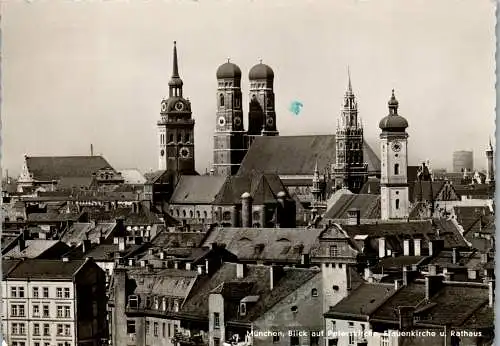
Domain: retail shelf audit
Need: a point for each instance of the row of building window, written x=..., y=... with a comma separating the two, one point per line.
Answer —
x=166, y=330
x=37, y=343
x=20, y=329
x=18, y=292
x=191, y=213
x=187, y=138
x=18, y=310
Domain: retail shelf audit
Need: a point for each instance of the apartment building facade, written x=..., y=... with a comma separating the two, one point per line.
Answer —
x=53, y=303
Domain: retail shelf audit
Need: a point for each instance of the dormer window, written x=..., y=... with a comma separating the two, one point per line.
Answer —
x=176, y=305
x=314, y=292
x=243, y=309
x=294, y=309
x=157, y=303
x=133, y=302
x=164, y=304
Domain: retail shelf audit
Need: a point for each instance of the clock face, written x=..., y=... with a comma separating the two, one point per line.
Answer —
x=222, y=121
x=163, y=106
x=237, y=121
x=179, y=106
x=396, y=146
x=162, y=152
x=184, y=152
x=270, y=121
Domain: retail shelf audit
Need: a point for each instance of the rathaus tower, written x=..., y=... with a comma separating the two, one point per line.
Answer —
x=350, y=171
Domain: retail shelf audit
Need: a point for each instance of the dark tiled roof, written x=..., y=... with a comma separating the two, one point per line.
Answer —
x=45, y=269
x=482, y=318
x=8, y=265
x=363, y=301
x=397, y=263
x=258, y=283
x=166, y=239
x=87, y=230
x=476, y=191
x=35, y=248
x=369, y=206
x=156, y=176
x=398, y=231
x=52, y=217
x=105, y=252
x=469, y=217
x=67, y=183
x=279, y=244
x=410, y=295
x=451, y=308
x=262, y=187
x=54, y=167
x=200, y=189
x=426, y=190
x=297, y=155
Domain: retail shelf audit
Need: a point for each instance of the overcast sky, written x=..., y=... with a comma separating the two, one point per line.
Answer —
x=81, y=72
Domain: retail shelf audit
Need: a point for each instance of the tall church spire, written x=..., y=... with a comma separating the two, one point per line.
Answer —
x=349, y=86
x=175, y=84
x=175, y=72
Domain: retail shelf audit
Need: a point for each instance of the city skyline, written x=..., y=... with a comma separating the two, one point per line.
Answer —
x=439, y=75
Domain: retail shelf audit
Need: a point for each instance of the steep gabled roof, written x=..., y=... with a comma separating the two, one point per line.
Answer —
x=200, y=189
x=297, y=155
x=368, y=205
x=262, y=187
x=48, y=168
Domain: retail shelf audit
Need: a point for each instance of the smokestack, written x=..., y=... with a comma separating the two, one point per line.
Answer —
x=91, y=149
x=246, y=210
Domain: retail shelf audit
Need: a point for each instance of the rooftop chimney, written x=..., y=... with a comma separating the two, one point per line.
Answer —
x=162, y=255
x=435, y=246
x=85, y=246
x=381, y=247
x=367, y=274
x=121, y=244
x=407, y=247
x=484, y=258
x=398, y=284
x=131, y=262
x=144, y=263
x=354, y=217
x=406, y=317
x=275, y=273
x=188, y=266
x=432, y=269
x=240, y=270
x=433, y=284
x=408, y=275
x=417, y=245
x=455, y=255
x=201, y=269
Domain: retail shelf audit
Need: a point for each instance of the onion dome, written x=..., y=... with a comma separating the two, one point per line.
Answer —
x=228, y=70
x=261, y=71
x=393, y=122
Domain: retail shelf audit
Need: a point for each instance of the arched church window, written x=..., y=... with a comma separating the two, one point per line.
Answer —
x=226, y=216
x=171, y=138
x=221, y=100
x=184, y=213
x=396, y=169
x=198, y=215
x=205, y=214
x=397, y=204
x=179, y=138
x=190, y=213
x=186, y=138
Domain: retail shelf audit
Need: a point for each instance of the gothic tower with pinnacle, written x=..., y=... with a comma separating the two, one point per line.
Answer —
x=176, y=128
x=350, y=171
x=229, y=139
x=261, y=114
x=394, y=150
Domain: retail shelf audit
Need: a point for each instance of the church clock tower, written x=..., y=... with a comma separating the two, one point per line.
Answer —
x=262, y=114
x=394, y=181
x=350, y=170
x=176, y=128
x=229, y=138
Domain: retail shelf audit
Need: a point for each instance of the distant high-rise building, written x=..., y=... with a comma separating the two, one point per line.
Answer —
x=463, y=160
x=490, y=168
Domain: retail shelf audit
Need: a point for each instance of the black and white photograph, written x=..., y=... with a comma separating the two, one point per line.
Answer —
x=248, y=172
